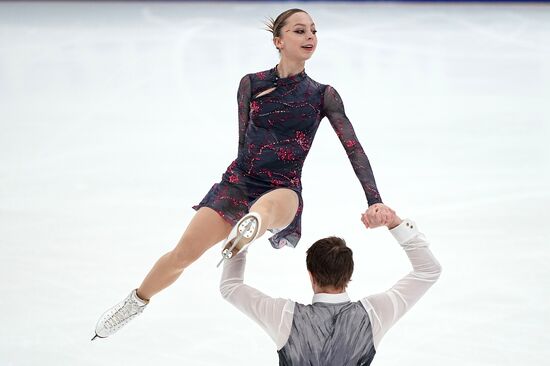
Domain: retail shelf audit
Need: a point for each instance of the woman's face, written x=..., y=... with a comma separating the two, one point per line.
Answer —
x=298, y=38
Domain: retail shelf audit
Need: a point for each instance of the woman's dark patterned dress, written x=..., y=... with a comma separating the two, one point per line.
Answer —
x=275, y=134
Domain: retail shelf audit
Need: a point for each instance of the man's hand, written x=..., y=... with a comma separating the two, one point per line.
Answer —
x=380, y=215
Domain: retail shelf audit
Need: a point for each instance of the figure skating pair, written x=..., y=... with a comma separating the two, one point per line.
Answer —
x=279, y=112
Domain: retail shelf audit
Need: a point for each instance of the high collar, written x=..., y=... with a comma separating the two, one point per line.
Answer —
x=331, y=298
x=292, y=79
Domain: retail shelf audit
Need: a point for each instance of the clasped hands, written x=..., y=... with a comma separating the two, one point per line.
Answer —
x=380, y=215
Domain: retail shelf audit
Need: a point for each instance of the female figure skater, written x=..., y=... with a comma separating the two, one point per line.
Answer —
x=279, y=112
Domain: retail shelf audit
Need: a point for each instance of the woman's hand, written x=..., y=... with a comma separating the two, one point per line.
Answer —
x=378, y=215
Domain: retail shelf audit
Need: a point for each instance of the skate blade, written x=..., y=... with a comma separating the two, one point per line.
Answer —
x=96, y=336
x=227, y=253
x=220, y=262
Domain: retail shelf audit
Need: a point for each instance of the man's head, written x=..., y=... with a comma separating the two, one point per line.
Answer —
x=330, y=264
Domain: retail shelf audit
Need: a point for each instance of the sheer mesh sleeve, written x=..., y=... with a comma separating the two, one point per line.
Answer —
x=333, y=108
x=243, y=99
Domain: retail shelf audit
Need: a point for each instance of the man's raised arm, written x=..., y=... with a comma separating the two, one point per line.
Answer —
x=274, y=315
x=388, y=307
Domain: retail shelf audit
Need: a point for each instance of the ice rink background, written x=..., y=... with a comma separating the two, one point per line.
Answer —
x=116, y=118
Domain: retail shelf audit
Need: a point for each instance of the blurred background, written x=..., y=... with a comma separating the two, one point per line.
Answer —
x=117, y=117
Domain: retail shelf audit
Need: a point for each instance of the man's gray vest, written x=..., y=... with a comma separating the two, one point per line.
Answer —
x=325, y=334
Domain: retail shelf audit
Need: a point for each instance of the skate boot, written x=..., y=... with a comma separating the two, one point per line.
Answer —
x=119, y=315
x=242, y=234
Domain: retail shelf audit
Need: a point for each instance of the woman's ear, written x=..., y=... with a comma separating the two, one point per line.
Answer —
x=278, y=42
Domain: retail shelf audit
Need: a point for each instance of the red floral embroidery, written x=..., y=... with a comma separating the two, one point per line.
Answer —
x=255, y=106
x=234, y=179
x=351, y=143
x=302, y=140
x=285, y=154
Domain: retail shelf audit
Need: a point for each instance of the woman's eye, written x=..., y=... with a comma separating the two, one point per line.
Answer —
x=301, y=31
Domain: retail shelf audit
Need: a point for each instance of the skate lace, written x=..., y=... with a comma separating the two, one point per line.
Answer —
x=123, y=314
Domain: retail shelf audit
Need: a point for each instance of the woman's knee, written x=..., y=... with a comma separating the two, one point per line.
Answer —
x=279, y=206
x=287, y=202
x=266, y=204
x=293, y=199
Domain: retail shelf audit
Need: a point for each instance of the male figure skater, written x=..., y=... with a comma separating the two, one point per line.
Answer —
x=334, y=331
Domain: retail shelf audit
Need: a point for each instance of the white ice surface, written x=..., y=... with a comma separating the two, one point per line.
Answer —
x=116, y=118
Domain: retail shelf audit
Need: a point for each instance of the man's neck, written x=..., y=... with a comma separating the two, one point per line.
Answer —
x=329, y=290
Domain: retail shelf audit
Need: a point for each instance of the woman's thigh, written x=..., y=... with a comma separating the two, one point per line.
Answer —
x=206, y=228
x=283, y=204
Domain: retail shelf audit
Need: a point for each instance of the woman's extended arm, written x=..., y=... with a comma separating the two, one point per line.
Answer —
x=333, y=108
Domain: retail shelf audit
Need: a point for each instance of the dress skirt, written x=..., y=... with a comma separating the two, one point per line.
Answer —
x=233, y=196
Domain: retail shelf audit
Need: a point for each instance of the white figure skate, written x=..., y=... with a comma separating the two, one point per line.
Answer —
x=119, y=315
x=242, y=234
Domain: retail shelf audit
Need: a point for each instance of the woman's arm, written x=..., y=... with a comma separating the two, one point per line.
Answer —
x=333, y=108
x=243, y=100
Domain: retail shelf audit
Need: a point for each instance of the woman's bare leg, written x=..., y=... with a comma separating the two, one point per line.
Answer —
x=205, y=229
x=277, y=208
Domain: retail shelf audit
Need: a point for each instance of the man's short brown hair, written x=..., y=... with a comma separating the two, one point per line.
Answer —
x=330, y=262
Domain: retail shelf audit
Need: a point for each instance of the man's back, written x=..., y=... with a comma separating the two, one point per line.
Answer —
x=334, y=331
x=325, y=334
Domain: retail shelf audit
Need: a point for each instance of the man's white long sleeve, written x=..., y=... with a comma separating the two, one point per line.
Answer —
x=388, y=307
x=274, y=315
